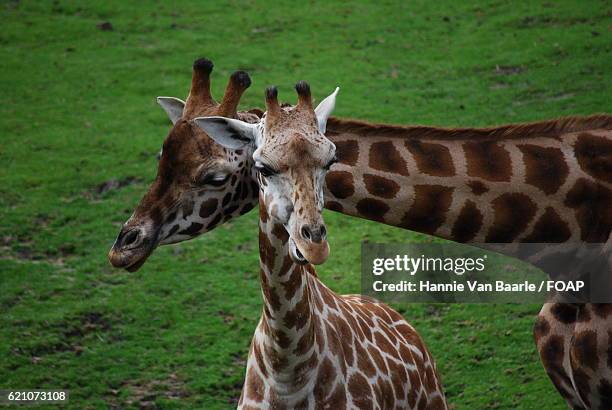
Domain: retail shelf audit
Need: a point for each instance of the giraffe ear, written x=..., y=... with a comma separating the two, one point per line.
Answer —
x=173, y=107
x=325, y=108
x=230, y=133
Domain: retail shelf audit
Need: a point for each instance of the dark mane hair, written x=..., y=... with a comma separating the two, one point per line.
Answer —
x=549, y=128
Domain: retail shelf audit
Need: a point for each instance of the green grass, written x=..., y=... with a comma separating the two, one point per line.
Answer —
x=78, y=108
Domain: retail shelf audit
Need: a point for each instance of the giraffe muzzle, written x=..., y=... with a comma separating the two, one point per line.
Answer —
x=303, y=252
x=131, y=249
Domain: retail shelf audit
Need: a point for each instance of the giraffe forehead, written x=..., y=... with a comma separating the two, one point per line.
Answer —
x=291, y=120
x=292, y=138
x=299, y=153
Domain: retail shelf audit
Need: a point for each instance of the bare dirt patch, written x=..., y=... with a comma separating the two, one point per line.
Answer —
x=145, y=393
x=115, y=184
x=23, y=250
x=508, y=69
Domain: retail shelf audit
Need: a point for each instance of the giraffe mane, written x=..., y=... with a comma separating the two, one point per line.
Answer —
x=549, y=128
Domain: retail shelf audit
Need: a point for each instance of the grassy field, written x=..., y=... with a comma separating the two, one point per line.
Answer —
x=78, y=110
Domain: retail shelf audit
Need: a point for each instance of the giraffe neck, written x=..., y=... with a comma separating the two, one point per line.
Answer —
x=522, y=183
x=285, y=337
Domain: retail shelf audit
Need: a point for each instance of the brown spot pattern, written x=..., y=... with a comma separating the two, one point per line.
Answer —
x=360, y=391
x=255, y=386
x=513, y=212
x=584, y=349
x=385, y=157
x=325, y=378
x=432, y=159
x=192, y=229
x=208, y=207
x=550, y=228
x=541, y=328
x=281, y=233
x=552, y=353
x=337, y=400
x=545, y=168
x=267, y=253
x=477, y=187
x=347, y=152
x=487, y=160
x=298, y=316
x=380, y=186
x=292, y=284
x=603, y=310
x=564, y=312
x=592, y=203
x=582, y=380
x=340, y=184
x=372, y=209
x=594, y=155
x=334, y=206
x=468, y=223
x=428, y=212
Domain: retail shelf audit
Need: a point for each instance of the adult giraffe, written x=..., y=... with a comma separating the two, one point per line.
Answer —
x=540, y=182
x=314, y=348
x=194, y=174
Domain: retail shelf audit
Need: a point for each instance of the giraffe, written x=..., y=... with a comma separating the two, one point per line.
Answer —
x=541, y=182
x=194, y=175
x=547, y=182
x=313, y=347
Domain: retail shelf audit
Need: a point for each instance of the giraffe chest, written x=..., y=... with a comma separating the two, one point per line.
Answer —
x=360, y=356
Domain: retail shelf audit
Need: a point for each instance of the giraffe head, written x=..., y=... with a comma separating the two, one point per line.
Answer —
x=291, y=155
x=199, y=183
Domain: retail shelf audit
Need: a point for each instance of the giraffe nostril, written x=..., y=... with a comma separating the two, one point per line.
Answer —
x=314, y=233
x=131, y=237
x=306, y=232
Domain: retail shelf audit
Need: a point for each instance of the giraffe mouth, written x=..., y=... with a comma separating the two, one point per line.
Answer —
x=130, y=262
x=133, y=267
x=295, y=253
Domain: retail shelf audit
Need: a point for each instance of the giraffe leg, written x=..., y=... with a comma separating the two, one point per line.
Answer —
x=552, y=332
x=591, y=355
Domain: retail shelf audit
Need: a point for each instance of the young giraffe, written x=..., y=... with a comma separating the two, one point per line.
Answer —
x=312, y=347
x=540, y=182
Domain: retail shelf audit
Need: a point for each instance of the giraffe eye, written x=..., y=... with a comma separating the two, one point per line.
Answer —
x=264, y=169
x=214, y=179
